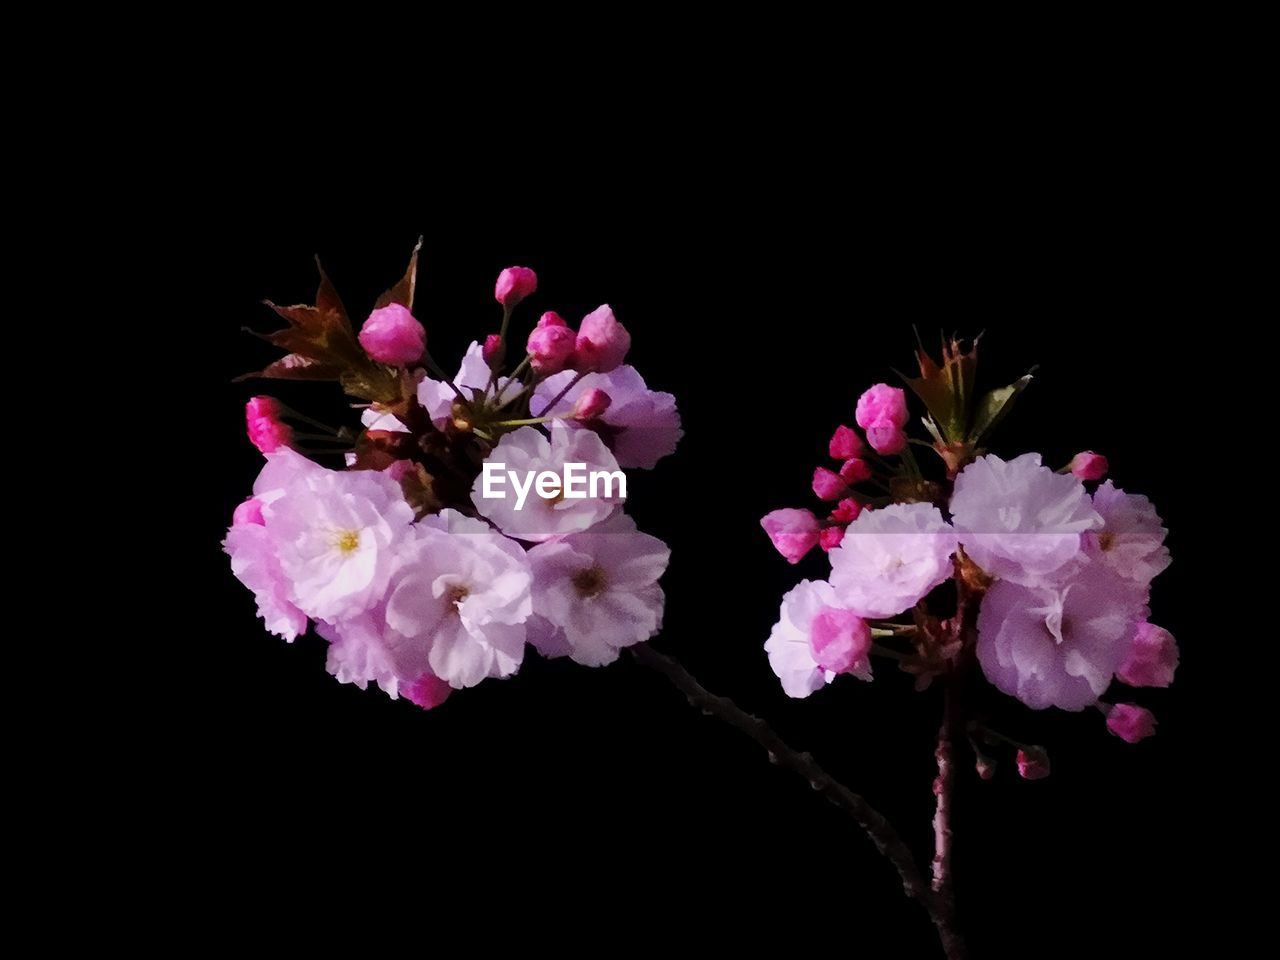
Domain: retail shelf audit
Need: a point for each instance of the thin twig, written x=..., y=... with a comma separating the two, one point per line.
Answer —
x=881, y=832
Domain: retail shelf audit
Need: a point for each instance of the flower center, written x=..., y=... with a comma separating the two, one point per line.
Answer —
x=555, y=497
x=1106, y=540
x=456, y=594
x=347, y=541
x=589, y=582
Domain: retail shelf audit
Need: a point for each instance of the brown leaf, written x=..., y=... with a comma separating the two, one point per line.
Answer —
x=402, y=292
x=294, y=367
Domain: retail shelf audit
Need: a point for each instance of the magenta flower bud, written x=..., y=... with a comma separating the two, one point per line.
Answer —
x=1152, y=658
x=266, y=430
x=846, y=511
x=886, y=437
x=840, y=640
x=830, y=538
x=493, y=351
x=845, y=444
x=986, y=767
x=591, y=404
x=1130, y=722
x=1088, y=465
x=391, y=335
x=514, y=284
x=882, y=402
x=793, y=532
x=828, y=485
x=551, y=344
x=427, y=691
x=1033, y=763
x=855, y=471
x=248, y=512
x=602, y=342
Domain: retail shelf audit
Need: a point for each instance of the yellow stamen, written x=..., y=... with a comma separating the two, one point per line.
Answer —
x=347, y=541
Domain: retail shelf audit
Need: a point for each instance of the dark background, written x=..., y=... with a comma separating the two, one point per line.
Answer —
x=766, y=290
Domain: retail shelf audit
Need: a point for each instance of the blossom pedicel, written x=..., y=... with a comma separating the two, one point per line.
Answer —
x=418, y=583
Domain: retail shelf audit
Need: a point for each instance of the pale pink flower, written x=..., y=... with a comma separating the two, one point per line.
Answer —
x=1152, y=658
x=597, y=592
x=841, y=641
x=393, y=335
x=1059, y=645
x=602, y=342
x=1018, y=520
x=790, y=647
x=528, y=451
x=514, y=284
x=437, y=397
x=793, y=532
x=337, y=534
x=641, y=426
x=1088, y=465
x=844, y=444
x=882, y=402
x=891, y=557
x=1130, y=723
x=1131, y=540
x=551, y=344
x=254, y=563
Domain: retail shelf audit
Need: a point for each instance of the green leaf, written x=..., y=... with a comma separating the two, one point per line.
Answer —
x=994, y=406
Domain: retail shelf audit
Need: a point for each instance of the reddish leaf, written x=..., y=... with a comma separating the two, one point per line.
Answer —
x=295, y=367
x=402, y=292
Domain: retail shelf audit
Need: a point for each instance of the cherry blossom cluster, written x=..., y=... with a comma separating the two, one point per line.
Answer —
x=1041, y=576
x=418, y=583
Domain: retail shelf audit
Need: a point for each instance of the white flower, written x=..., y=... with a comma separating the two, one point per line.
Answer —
x=1019, y=520
x=890, y=557
x=528, y=452
x=790, y=647
x=1131, y=541
x=336, y=534
x=597, y=592
x=1058, y=645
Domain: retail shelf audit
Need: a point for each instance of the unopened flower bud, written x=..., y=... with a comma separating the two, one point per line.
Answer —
x=882, y=402
x=1033, y=763
x=886, y=437
x=393, y=335
x=827, y=484
x=266, y=430
x=855, y=471
x=985, y=766
x=830, y=538
x=602, y=342
x=793, y=532
x=551, y=344
x=846, y=511
x=1152, y=658
x=845, y=444
x=1130, y=722
x=1088, y=465
x=427, y=691
x=592, y=404
x=493, y=351
x=514, y=284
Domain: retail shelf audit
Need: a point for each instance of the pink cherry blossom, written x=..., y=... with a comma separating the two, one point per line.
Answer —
x=891, y=557
x=830, y=538
x=641, y=426
x=551, y=344
x=1059, y=645
x=855, y=471
x=337, y=535
x=1131, y=723
x=886, y=437
x=1152, y=658
x=602, y=342
x=597, y=592
x=528, y=452
x=393, y=335
x=1088, y=465
x=1019, y=520
x=592, y=404
x=841, y=641
x=882, y=403
x=254, y=563
x=514, y=284
x=828, y=485
x=844, y=444
x=790, y=648
x=793, y=532
x=1131, y=538
x=1033, y=763
x=266, y=430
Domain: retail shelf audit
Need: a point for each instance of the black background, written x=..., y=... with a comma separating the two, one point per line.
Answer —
x=766, y=291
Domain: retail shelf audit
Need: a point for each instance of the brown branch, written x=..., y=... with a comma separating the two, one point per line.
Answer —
x=942, y=786
x=881, y=832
